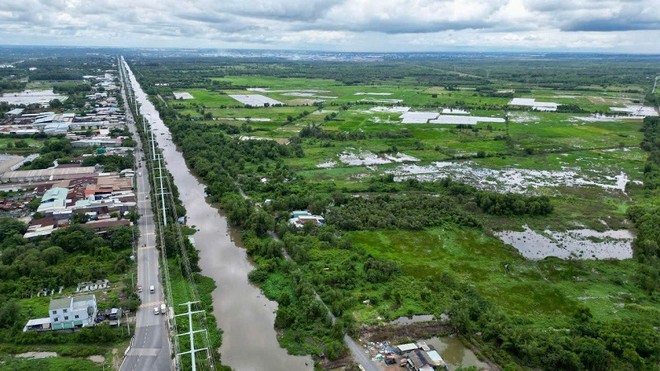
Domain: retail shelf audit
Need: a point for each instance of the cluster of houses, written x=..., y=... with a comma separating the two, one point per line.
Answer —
x=71, y=193
x=421, y=357
x=102, y=114
x=101, y=200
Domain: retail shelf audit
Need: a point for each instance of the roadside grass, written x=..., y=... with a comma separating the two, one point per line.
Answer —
x=52, y=363
x=182, y=292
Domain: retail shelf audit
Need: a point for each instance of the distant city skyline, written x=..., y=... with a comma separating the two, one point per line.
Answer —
x=613, y=26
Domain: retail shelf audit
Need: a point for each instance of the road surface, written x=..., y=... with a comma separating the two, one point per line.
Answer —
x=150, y=348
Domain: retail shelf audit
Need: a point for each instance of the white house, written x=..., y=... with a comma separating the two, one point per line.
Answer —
x=72, y=312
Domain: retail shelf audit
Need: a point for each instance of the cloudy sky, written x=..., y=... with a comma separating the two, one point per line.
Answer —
x=339, y=25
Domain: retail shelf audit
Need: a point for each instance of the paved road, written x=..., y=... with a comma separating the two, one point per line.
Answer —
x=150, y=349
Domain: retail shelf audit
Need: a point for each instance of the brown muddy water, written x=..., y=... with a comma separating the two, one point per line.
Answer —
x=246, y=317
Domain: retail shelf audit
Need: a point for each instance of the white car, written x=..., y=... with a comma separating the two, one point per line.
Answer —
x=156, y=311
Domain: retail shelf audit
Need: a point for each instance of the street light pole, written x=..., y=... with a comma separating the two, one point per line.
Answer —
x=128, y=325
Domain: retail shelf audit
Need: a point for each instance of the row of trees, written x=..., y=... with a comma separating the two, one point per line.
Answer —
x=646, y=216
x=316, y=131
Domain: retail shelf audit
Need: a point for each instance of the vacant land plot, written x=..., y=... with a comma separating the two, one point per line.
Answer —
x=255, y=100
x=182, y=95
x=31, y=97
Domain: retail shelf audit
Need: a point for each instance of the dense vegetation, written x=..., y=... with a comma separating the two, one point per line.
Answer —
x=335, y=263
x=647, y=216
x=65, y=258
x=565, y=72
x=110, y=163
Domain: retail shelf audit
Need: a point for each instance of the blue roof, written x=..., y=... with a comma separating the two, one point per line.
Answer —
x=55, y=193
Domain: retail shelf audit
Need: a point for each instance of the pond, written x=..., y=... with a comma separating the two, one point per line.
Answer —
x=455, y=353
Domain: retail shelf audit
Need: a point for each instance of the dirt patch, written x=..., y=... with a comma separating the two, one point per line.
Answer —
x=96, y=359
x=37, y=355
x=401, y=333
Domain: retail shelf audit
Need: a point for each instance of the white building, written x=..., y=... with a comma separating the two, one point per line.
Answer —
x=72, y=312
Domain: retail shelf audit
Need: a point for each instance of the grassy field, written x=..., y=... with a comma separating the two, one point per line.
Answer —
x=540, y=141
x=33, y=145
x=54, y=363
x=547, y=292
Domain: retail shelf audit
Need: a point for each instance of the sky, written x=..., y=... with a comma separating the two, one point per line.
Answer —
x=618, y=26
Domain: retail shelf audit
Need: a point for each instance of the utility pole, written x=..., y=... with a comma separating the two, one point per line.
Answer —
x=162, y=191
x=128, y=325
x=191, y=333
x=153, y=145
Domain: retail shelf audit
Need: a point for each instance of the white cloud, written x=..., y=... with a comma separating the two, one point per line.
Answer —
x=369, y=25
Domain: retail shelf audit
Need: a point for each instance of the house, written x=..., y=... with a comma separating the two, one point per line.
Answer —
x=300, y=217
x=426, y=361
x=72, y=312
x=37, y=324
x=101, y=226
x=53, y=200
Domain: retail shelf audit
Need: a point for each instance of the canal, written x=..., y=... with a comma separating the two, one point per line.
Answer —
x=245, y=316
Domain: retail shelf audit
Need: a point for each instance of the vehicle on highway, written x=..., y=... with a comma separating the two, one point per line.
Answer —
x=156, y=312
x=139, y=288
x=152, y=289
x=163, y=309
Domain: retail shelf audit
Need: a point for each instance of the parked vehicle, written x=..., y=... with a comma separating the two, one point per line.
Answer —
x=163, y=309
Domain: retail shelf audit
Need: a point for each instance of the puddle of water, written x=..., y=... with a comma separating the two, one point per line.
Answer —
x=576, y=243
x=455, y=353
x=507, y=180
x=363, y=158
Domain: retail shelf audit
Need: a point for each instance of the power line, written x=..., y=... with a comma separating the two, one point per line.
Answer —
x=191, y=334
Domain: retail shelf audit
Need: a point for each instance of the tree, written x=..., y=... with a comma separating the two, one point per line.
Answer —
x=593, y=354
x=21, y=144
x=55, y=103
x=52, y=254
x=10, y=314
x=9, y=227
x=260, y=222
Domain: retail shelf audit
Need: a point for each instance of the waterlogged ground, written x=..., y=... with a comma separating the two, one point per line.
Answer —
x=571, y=244
x=508, y=180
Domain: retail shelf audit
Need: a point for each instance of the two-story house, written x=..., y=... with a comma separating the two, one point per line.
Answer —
x=72, y=312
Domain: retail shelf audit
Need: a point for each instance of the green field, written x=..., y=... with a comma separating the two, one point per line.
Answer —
x=591, y=172
x=543, y=291
x=25, y=144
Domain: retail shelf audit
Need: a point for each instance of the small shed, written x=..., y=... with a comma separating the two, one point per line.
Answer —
x=405, y=348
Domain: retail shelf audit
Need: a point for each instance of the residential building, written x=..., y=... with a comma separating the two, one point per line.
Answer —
x=72, y=312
